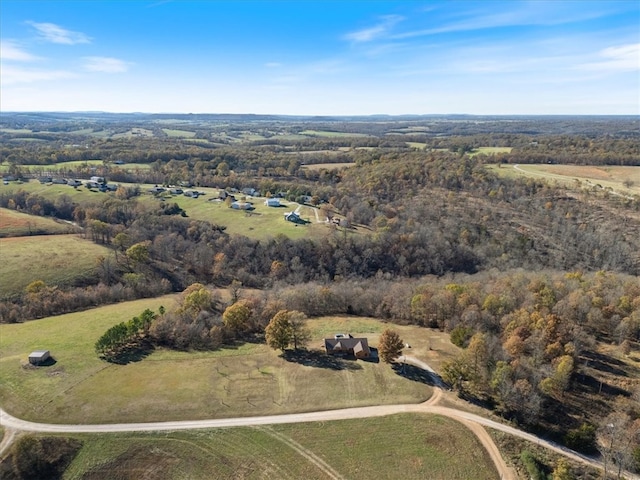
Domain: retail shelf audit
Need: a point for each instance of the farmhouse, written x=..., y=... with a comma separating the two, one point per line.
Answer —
x=272, y=202
x=39, y=357
x=292, y=217
x=346, y=344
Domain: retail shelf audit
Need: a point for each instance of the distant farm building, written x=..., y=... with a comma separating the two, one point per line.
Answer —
x=242, y=205
x=250, y=191
x=343, y=344
x=39, y=357
x=272, y=202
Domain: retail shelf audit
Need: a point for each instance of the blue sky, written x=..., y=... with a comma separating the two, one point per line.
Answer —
x=321, y=57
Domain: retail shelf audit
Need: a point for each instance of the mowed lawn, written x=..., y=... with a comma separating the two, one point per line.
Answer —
x=18, y=224
x=407, y=446
x=54, y=259
x=248, y=379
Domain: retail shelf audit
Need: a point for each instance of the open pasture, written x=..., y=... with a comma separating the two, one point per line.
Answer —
x=419, y=446
x=54, y=259
x=489, y=150
x=618, y=178
x=247, y=379
x=329, y=134
x=260, y=223
x=18, y=224
x=178, y=133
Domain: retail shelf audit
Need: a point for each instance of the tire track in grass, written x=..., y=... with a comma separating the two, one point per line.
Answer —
x=304, y=452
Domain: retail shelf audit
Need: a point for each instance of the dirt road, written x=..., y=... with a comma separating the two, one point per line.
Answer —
x=472, y=421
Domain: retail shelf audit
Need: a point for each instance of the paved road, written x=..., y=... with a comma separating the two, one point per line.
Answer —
x=12, y=424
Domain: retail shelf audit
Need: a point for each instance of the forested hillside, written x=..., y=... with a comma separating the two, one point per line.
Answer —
x=531, y=277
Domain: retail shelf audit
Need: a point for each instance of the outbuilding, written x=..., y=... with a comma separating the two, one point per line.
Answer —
x=38, y=357
x=272, y=202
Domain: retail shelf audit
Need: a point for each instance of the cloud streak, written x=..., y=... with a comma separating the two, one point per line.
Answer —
x=15, y=75
x=622, y=58
x=50, y=32
x=105, y=64
x=377, y=31
x=11, y=51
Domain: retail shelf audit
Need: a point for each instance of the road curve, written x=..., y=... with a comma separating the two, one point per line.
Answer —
x=471, y=420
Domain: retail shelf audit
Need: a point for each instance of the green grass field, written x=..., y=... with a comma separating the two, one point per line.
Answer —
x=326, y=133
x=261, y=223
x=179, y=133
x=17, y=224
x=64, y=166
x=54, y=259
x=410, y=445
x=489, y=150
x=249, y=379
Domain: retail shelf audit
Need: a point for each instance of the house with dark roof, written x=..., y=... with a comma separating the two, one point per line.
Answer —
x=342, y=344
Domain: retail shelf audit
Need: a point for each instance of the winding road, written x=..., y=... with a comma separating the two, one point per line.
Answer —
x=13, y=425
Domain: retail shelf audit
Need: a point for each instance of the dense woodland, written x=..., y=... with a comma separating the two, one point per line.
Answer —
x=527, y=276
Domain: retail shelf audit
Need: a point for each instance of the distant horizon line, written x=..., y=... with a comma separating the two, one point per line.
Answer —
x=365, y=115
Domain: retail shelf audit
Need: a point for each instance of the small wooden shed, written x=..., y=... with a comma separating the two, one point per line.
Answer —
x=39, y=357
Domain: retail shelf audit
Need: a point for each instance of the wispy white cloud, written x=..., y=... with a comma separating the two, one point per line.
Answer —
x=377, y=31
x=273, y=64
x=622, y=58
x=516, y=14
x=14, y=75
x=53, y=33
x=105, y=64
x=10, y=50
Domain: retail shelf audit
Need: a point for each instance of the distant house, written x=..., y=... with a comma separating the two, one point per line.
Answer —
x=342, y=344
x=272, y=202
x=39, y=357
x=242, y=205
x=292, y=217
x=98, y=180
x=249, y=191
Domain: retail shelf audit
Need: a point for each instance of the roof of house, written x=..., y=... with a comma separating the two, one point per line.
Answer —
x=357, y=344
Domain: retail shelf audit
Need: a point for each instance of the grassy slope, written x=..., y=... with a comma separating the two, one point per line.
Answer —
x=47, y=258
x=419, y=446
x=17, y=224
x=250, y=379
x=577, y=175
x=263, y=222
